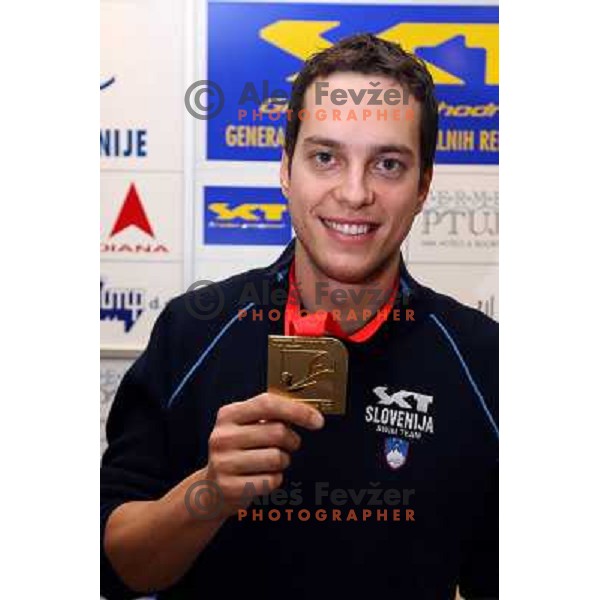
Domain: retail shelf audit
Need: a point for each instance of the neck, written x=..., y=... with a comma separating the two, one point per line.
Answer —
x=357, y=303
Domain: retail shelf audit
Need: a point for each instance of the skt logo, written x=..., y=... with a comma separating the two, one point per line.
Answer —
x=403, y=414
x=250, y=212
x=452, y=51
x=401, y=398
x=245, y=216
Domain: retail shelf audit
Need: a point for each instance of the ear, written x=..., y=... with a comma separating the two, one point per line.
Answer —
x=284, y=174
x=424, y=185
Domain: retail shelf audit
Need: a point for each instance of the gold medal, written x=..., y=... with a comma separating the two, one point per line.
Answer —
x=309, y=369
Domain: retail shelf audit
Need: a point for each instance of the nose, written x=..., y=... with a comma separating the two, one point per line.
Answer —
x=353, y=189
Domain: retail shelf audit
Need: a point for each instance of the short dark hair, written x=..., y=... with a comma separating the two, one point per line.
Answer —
x=365, y=53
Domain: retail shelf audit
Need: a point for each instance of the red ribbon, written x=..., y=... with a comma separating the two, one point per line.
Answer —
x=322, y=323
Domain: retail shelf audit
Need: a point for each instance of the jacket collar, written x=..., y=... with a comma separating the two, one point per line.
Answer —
x=409, y=290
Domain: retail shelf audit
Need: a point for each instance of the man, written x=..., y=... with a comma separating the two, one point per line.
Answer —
x=201, y=459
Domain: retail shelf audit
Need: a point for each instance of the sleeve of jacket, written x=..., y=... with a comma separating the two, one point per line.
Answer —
x=479, y=569
x=135, y=463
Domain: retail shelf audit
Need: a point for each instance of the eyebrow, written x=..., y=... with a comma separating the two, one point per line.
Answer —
x=375, y=149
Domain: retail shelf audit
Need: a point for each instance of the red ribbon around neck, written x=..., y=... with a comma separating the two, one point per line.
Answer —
x=323, y=323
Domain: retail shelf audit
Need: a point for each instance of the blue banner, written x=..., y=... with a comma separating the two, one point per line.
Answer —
x=246, y=216
x=255, y=50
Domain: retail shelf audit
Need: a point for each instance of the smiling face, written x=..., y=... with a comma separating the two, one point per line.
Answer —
x=354, y=186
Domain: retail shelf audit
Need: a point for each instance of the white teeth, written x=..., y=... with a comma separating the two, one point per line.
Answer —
x=348, y=228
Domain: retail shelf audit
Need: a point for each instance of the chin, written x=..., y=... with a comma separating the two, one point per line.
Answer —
x=348, y=272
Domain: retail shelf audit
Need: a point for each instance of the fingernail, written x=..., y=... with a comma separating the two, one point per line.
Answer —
x=317, y=420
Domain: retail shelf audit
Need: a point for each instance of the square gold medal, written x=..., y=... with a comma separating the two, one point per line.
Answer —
x=309, y=369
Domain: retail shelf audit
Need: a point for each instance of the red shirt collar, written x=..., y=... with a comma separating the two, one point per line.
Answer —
x=324, y=323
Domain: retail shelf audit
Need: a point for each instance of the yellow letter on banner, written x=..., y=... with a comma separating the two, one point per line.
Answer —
x=298, y=38
x=478, y=35
x=303, y=38
x=243, y=211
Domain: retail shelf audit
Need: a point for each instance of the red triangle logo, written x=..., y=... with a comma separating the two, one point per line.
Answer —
x=132, y=213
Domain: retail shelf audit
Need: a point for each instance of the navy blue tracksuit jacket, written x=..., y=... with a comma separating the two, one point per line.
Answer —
x=422, y=414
